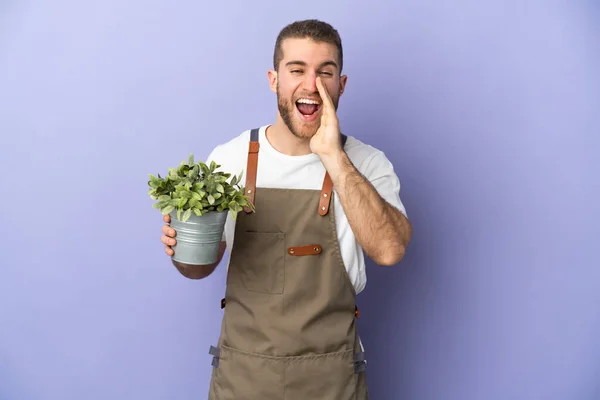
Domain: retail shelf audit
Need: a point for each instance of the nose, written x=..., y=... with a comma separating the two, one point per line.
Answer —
x=310, y=82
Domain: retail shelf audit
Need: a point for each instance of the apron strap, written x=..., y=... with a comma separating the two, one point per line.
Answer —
x=360, y=362
x=252, y=166
x=216, y=353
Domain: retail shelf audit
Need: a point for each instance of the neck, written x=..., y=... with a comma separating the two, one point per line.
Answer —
x=284, y=141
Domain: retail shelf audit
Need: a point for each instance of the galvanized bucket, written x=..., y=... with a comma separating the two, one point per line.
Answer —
x=198, y=238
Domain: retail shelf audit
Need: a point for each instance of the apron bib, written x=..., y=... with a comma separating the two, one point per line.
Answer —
x=289, y=327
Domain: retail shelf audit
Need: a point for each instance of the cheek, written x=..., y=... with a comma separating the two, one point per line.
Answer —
x=333, y=88
x=288, y=86
x=332, y=84
x=286, y=93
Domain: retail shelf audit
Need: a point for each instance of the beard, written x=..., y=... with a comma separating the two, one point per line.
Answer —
x=287, y=110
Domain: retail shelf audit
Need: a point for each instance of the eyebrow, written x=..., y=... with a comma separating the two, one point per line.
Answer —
x=302, y=63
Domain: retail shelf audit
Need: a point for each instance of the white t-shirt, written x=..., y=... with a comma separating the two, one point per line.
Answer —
x=277, y=170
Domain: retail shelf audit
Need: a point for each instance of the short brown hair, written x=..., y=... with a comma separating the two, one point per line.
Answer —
x=311, y=28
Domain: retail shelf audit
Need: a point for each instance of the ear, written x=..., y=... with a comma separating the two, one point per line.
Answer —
x=343, y=80
x=272, y=75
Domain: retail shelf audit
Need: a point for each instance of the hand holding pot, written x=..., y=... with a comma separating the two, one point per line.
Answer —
x=168, y=237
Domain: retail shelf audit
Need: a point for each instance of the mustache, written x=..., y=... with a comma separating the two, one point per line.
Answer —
x=308, y=95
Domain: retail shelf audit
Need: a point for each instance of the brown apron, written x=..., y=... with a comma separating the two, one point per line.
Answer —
x=289, y=328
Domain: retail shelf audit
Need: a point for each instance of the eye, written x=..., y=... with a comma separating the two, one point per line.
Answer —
x=296, y=71
x=326, y=73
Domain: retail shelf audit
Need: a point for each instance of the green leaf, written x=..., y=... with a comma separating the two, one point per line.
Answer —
x=183, y=169
x=204, y=168
x=195, y=172
x=197, y=188
x=197, y=196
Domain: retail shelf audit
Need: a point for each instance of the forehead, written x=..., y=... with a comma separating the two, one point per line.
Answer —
x=308, y=51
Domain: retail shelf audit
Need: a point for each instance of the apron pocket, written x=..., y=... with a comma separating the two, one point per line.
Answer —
x=259, y=261
x=244, y=376
x=325, y=377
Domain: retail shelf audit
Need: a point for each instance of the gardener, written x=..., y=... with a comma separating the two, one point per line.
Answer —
x=296, y=264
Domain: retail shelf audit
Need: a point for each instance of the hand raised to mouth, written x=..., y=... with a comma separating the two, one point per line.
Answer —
x=327, y=141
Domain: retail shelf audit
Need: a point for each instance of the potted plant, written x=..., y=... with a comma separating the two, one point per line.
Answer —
x=198, y=197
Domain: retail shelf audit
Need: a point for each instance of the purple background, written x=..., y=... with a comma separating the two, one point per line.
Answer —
x=489, y=111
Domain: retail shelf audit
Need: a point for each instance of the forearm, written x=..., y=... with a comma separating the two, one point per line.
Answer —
x=381, y=229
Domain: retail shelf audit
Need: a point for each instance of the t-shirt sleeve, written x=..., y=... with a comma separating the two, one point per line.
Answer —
x=213, y=156
x=380, y=172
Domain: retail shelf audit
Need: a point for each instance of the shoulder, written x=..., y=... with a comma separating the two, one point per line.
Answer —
x=365, y=157
x=374, y=165
x=234, y=145
x=231, y=155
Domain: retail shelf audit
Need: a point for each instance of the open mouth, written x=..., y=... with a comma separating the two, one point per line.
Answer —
x=308, y=107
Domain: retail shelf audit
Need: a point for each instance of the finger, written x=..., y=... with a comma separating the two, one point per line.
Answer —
x=328, y=115
x=169, y=241
x=327, y=102
x=167, y=230
x=167, y=218
x=169, y=251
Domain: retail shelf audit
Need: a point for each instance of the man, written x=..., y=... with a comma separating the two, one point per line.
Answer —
x=289, y=328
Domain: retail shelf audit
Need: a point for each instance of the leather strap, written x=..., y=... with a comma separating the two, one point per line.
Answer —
x=251, y=168
x=309, y=250
x=327, y=189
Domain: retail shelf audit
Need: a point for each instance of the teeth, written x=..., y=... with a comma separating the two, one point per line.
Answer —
x=308, y=101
